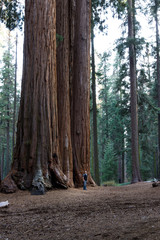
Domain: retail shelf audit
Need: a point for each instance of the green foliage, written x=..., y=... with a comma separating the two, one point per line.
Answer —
x=99, y=8
x=7, y=77
x=59, y=38
x=118, y=7
x=147, y=126
x=108, y=123
x=11, y=13
x=109, y=164
x=109, y=183
x=124, y=184
x=114, y=110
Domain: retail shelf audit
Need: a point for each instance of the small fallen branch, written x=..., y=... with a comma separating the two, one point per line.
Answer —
x=4, y=204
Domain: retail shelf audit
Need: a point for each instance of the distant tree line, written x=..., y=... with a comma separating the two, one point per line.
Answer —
x=128, y=108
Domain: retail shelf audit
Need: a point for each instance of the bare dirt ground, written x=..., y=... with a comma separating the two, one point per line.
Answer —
x=127, y=212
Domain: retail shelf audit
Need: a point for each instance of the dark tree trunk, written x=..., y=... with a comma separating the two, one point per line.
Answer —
x=134, y=113
x=15, y=98
x=8, y=83
x=80, y=115
x=123, y=159
x=95, y=137
x=63, y=87
x=2, y=163
x=158, y=76
x=106, y=108
x=122, y=145
x=36, y=156
x=8, y=137
x=0, y=174
x=43, y=151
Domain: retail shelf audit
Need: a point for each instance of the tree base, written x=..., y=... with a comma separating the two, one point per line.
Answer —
x=40, y=184
x=36, y=191
x=8, y=185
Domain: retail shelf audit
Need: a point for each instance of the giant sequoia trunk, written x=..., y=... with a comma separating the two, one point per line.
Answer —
x=80, y=114
x=37, y=157
x=63, y=88
x=73, y=28
x=134, y=112
x=43, y=152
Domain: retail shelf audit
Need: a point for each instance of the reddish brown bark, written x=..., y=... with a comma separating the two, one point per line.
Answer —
x=8, y=186
x=69, y=56
x=36, y=156
x=81, y=92
x=63, y=87
x=43, y=152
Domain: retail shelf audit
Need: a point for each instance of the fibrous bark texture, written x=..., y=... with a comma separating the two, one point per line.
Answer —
x=37, y=155
x=80, y=117
x=52, y=145
x=63, y=87
x=73, y=28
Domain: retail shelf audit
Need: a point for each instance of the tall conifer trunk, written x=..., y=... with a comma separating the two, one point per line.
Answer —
x=134, y=112
x=37, y=156
x=8, y=85
x=44, y=147
x=95, y=137
x=15, y=97
x=80, y=115
x=158, y=76
x=63, y=86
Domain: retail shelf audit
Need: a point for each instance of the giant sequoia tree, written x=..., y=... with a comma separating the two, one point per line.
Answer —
x=80, y=112
x=63, y=86
x=73, y=55
x=42, y=156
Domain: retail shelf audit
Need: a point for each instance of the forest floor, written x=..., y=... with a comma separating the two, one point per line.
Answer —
x=126, y=212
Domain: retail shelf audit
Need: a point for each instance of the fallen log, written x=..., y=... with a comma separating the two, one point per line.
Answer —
x=4, y=204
